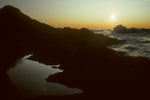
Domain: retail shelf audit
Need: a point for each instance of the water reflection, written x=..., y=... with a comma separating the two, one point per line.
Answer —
x=29, y=78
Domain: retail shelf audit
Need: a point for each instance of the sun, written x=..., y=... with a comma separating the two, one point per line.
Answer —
x=113, y=17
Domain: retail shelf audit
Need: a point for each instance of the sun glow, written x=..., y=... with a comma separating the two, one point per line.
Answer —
x=91, y=14
x=113, y=17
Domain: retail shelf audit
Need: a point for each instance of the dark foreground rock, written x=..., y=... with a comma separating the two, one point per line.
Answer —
x=87, y=62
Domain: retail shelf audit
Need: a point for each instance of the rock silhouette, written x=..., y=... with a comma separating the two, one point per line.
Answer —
x=84, y=56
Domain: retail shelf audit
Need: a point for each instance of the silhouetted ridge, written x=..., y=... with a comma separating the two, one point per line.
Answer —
x=23, y=35
x=20, y=34
x=15, y=16
x=9, y=8
x=83, y=55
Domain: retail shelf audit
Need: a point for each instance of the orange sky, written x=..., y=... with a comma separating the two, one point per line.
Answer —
x=93, y=14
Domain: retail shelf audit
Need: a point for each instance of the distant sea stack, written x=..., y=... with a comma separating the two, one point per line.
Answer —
x=123, y=29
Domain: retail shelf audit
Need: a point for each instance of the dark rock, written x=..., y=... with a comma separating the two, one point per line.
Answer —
x=87, y=62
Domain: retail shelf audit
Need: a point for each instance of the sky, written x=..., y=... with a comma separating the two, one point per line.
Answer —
x=92, y=14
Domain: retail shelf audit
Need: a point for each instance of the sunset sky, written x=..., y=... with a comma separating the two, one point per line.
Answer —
x=93, y=14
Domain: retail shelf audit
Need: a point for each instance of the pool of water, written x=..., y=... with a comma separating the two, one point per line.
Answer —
x=30, y=79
